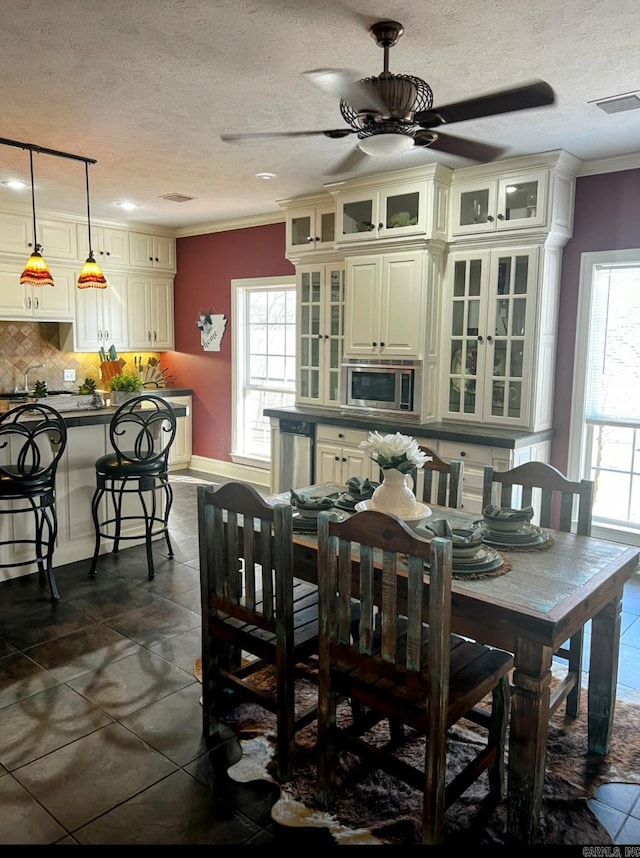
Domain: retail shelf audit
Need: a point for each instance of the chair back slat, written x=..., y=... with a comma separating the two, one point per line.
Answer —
x=441, y=481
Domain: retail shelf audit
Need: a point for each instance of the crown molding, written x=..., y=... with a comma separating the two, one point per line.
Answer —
x=233, y=223
x=610, y=165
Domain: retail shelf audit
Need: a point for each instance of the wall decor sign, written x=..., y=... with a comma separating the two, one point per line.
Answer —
x=212, y=327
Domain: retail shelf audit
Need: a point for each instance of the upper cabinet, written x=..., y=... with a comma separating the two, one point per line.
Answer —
x=110, y=244
x=57, y=238
x=101, y=317
x=393, y=207
x=534, y=193
x=36, y=303
x=152, y=251
x=310, y=228
x=385, y=298
x=320, y=328
x=150, y=313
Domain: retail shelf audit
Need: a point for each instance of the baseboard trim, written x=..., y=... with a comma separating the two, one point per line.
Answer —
x=231, y=471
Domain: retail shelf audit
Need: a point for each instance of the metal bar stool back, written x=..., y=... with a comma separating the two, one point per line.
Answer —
x=141, y=433
x=33, y=438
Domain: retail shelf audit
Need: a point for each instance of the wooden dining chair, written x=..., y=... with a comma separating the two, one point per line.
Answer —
x=400, y=671
x=441, y=481
x=254, y=613
x=560, y=504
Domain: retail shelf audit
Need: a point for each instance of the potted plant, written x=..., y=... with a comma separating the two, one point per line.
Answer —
x=124, y=386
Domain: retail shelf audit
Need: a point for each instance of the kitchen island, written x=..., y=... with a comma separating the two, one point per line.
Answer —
x=335, y=454
x=87, y=439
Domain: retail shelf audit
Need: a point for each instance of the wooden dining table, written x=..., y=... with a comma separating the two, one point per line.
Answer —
x=546, y=595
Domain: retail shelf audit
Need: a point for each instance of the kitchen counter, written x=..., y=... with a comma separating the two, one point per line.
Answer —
x=489, y=436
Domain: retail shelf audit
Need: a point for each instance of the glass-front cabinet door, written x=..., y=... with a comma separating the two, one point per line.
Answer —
x=496, y=205
x=388, y=213
x=310, y=229
x=320, y=333
x=489, y=355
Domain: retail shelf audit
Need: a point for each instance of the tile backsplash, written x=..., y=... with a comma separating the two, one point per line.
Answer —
x=24, y=344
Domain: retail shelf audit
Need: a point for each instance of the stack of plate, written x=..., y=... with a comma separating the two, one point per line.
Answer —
x=526, y=536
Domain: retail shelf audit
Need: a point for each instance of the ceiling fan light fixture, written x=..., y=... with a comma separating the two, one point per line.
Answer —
x=386, y=144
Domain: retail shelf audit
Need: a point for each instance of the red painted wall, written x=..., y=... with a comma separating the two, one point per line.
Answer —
x=607, y=217
x=206, y=266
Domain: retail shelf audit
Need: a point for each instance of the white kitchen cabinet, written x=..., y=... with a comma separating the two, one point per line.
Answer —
x=500, y=336
x=180, y=453
x=56, y=237
x=310, y=229
x=385, y=314
x=393, y=207
x=496, y=205
x=338, y=456
x=320, y=327
x=36, y=303
x=152, y=251
x=101, y=316
x=150, y=312
x=110, y=245
x=534, y=193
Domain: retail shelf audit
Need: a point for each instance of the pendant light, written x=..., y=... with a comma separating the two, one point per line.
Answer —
x=36, y=272
x=91, y=275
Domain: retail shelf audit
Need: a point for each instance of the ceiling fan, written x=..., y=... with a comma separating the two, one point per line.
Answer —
x=393, y=113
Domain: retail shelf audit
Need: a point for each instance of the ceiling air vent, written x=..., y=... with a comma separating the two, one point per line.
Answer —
x=176, y=198
x=619, y=103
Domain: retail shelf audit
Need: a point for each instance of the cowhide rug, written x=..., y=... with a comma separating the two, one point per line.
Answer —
x=374, y=808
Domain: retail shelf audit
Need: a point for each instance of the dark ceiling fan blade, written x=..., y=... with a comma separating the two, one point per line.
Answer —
x=473, y=149
x=334, y=133
x=344, y=83
x=534, y=94
x=349, y=163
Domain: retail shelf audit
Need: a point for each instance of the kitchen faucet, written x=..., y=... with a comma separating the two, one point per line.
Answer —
x=26, y=375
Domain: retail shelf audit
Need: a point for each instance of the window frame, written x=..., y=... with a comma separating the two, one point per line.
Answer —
x=239, y=288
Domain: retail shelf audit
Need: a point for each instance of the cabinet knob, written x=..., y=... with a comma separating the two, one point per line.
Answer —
x=480, y=338
x=340, y=435
x=500, y=217
x=344, y=459
x=374, y=344
x=151, y=259
x=462, y=454
x=309, y=238
x=381, y=345
x=490, y=218
x=326, y=336
x=337, y=458
x=489, y=339
x=380, y=226
x=318, y=238
x=108, y=253
x=157, y=259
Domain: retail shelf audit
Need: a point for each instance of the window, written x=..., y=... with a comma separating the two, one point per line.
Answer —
x=605, y=433
x=264, y=357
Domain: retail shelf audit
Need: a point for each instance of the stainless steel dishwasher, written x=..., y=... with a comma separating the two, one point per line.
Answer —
x=296, y=454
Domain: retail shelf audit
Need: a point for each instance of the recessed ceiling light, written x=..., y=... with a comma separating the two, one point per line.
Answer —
x=266, y=176
x=16, y=184
x=127, y=206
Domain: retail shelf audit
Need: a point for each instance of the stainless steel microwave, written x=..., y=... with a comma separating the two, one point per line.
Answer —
x=372, y=387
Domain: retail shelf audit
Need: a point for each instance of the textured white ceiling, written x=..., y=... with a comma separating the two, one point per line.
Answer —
x=147, y=86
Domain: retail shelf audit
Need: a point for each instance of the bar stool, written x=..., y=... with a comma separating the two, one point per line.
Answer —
x=141, y=434
x=33, y=438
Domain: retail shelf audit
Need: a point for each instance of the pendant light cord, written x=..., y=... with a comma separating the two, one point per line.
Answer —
x=86, y=168
x=33, y=204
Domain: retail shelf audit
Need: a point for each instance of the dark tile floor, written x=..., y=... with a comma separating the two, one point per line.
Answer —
x=100, y=721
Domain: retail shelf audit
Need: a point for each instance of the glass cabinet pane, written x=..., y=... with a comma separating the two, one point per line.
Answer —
x=474, y=206
x=301, y=230
x=357, y=217
x=521, y=200
x=402, y=210
x=327, y=227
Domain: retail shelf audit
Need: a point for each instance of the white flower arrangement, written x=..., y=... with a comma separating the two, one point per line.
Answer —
x=395, y=451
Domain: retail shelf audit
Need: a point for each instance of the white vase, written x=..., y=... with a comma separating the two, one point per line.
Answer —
x=393, y=495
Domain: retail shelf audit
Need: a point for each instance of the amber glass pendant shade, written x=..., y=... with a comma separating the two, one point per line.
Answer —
x=36, y=272
x=91, y=275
